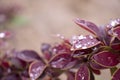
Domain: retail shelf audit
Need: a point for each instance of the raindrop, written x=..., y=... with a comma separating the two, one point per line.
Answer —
x=83, y=78
x=2, y=35
x=84, y=47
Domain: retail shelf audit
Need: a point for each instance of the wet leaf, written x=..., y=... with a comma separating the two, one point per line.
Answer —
x=89, y=26
x=63, y=61
x=115, y=46
x=45, y=47
x=79, y=53
x=83, y=42
x=54, y=72
x=95, y=71
x=116, y=75
x=117, y=32
x=104, y=36
x=61, y=48
x=115, y=41
x=83, y=73
x=113, y=23
x=106, y=59
x=28, y=55
x=96, y=66
x=46, y=50
x=36, y=69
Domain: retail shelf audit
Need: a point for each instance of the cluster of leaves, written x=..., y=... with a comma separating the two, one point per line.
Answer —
x=79, y=58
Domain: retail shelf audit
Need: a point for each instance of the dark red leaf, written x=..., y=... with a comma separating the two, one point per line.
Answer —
x=45, y=47
x=89, y=26
x=108, y=40
x=46, y=50
x=47, y=56
x=96, y=66
x=36, y=68
x=28, y=55
x=96, y=71
x=79, y=53
x=61, y=48
x=117, y=32
x=106, y=59
x=83, y=42
x=113, y=23
x=5, y=64
x=83, y=73
x=63, y=61
x=54, y=72
x=115, y=46
x=116, y=75
x=116, y=41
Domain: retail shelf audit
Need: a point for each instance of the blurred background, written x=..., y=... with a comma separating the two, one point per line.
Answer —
x=38, y=21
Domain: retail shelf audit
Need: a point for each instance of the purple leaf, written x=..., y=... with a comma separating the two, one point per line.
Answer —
x=106, y=59
x=47, y=55
x=28, y=55
x=104, y=36
x=63, y=61
x=83, y=42
x=36, y=69
x=18, y=63
x=117, y=32
x=96, y=71
x=116, y=41
x=113, y=23
x=13, y=76
x=61, y=48
x=46, y=50
x=115, y=46
x=24, y=78
x=54, y=72
x=96, y=66
x=83, y=73
x=79, y=53
x=89, y=26
x=116, y=75
x=25, y=73
x=45, y=47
